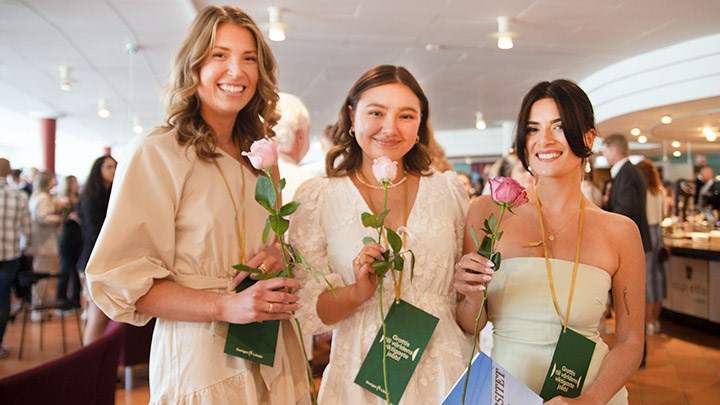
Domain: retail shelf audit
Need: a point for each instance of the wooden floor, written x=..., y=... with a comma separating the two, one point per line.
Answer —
x=683, y=366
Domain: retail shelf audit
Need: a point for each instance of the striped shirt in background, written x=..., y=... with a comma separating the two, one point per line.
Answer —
x=14, y=221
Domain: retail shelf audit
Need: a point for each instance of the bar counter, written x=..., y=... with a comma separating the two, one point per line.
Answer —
x=693, y=280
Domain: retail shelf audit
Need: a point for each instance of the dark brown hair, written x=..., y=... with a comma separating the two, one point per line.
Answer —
x=347, y=150
x=576, y=113
x=254, y=121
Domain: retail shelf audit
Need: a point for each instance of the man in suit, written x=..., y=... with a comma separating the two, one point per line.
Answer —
x=628, y=192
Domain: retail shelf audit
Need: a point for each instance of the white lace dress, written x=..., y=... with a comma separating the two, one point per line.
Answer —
x=328, y=232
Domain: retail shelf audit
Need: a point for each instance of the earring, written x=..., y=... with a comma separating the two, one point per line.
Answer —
x=351, y=133
x=530, y=169
x=417, y=139
x=588, y=168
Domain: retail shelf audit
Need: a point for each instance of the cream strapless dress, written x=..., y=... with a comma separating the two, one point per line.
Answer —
x=527, y=326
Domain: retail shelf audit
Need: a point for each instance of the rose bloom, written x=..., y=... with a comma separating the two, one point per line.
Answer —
x=507, y=191
x=263, y=154
x=384, y=169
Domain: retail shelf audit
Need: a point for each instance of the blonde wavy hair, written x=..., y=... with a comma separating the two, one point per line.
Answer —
x=253, y=122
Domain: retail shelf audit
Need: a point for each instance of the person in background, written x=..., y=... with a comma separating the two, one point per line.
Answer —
x=169, y=241
x=45, y=221
x=14, y=225
x=655, y=269
x=558, y=236
x=28, y=179
x=589, y=187
x=292, y=133
x=509, y=166
x=628, y=194
x=386, y=114
x=467, y=183
x=703, y=184
x=92, y=209
x=669, y=209
x=69, y=244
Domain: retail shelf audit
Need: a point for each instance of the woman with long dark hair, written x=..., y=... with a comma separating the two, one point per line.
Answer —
x=561, y=255
x=92, y=209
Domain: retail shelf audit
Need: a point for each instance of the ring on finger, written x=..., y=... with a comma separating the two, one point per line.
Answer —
x=264, y=270
x=270, y=307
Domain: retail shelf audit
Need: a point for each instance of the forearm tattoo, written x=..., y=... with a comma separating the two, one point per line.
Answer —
x=625, y=300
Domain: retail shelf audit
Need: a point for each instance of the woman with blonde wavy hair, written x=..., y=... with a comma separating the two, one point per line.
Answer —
x=169, y=241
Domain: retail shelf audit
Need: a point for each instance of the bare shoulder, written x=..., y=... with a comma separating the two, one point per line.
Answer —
x=610, y=224
x=481, y=207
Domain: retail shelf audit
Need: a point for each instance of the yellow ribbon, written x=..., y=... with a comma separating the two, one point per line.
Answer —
x=547, y=260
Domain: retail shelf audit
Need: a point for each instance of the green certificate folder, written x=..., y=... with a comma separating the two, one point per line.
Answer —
x=408, y=333
x=569, y=366
x=255, y=341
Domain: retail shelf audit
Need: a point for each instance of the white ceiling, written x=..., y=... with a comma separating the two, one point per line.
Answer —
x=329, y=44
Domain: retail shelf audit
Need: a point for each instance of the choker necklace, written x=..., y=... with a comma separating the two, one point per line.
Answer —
x=392, y=185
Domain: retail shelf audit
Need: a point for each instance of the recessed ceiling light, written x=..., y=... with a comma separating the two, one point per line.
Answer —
x=635, y=131
x=677, y=153
x=642, y=139
x=666, y=119
x=675, y=144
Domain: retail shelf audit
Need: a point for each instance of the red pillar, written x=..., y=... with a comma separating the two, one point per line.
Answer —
x=107, y=151
x=47, y=134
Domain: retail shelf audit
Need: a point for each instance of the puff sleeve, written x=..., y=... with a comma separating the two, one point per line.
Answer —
x=460, y=204
x=307, y=236
x=137, y=242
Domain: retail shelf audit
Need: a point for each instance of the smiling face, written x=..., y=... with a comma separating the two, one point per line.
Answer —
x=229, y=74
x=548, y=151
x=386, y=121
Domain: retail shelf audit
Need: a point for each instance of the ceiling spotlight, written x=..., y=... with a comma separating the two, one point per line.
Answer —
x=65, y=82
x=710, y=135
x=666, y=119
x=479, y=121
x=642, y=139
x=635, y=131
x=137, y=125
x=503, y=34
x=432, y=47
x=103, y=111
x=677, y=153
x=675, y=144
x=276, y=28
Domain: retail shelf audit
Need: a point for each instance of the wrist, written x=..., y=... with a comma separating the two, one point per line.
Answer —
x=356, y=297
x=217, y=310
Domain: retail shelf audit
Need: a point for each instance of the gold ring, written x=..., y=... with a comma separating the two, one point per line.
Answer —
x=264, y=269
x=270, y=307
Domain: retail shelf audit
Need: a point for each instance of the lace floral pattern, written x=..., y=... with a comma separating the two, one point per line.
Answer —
x=327, y=231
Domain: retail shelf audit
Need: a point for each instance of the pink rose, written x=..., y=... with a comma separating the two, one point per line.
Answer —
x=507, y=191
x=384, y=169
x=263, y=154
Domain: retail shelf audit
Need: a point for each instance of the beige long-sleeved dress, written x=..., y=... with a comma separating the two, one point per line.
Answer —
x=170, y=217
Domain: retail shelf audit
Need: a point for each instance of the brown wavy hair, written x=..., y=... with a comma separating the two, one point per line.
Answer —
x=651, y=175
x=347, y=150
x=253, y=122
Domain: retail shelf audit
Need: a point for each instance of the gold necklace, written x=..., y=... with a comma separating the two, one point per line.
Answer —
x=551, y=235
x=392, y=185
